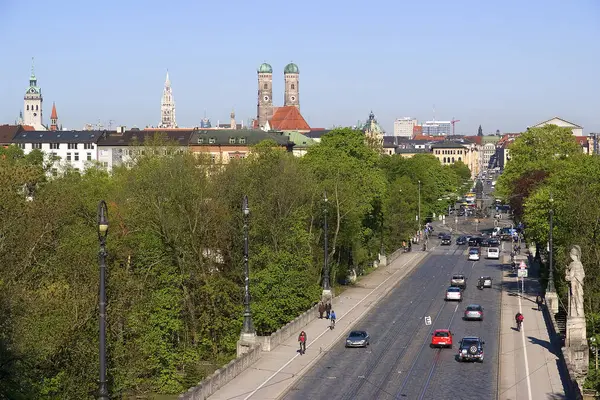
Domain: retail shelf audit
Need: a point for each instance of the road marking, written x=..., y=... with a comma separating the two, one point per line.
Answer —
x=524, y=346
x=327, y=330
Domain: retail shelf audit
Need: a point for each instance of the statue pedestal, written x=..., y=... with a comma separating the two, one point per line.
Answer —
x=244, y=345
x=552, y=302
x=576, y=350
x=326, y=296
x=382, y=260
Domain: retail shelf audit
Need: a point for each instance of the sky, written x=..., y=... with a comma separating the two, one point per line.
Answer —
x=504, y=65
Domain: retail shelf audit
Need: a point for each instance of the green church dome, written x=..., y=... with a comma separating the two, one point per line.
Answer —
x=265, y=69
x=291, y=68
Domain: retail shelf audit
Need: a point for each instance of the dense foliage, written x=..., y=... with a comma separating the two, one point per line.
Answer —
x=175, y=264
x=547, y=171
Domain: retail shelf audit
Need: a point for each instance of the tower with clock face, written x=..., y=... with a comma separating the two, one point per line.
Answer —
x=32, y=111
x=265, y=94
x=291, y=74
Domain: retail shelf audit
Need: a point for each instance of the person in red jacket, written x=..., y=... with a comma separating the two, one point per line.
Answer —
x=302, y=341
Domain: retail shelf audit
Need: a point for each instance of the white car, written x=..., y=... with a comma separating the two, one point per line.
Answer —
x=493, y=253
x=473, y=254
x=453, y=293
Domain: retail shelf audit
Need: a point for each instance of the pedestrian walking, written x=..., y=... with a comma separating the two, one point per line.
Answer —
x=302, y=341
x=328, y=309
x=540, y=301
x=321, y=309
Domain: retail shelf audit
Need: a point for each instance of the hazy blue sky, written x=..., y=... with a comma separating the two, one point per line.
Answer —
x=502, y=64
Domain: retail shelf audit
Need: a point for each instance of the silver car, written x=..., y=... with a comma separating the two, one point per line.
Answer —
x=453, y=293
x=357, y=339
x=473, y=312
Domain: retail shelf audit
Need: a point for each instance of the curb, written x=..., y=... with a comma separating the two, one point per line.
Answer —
x=499, y=377
x=324, y=350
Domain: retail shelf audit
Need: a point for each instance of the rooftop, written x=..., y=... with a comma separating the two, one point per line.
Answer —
x=25, y=136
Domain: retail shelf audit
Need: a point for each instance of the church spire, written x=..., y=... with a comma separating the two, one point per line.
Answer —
x=167, y=106
x=53, y=118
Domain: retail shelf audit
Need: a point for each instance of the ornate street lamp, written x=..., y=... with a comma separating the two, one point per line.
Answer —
x=326, y=286
x=550, y=287
x=248, y=327
x=102, y=234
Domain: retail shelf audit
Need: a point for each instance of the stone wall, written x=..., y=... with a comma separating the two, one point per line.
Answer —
x=222, y=376
x=292, y=328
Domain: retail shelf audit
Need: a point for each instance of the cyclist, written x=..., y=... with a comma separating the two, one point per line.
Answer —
x=519, y=319
x=332, y=318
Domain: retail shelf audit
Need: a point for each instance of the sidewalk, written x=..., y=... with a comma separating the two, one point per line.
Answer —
x=278, y=369
x=529, y=368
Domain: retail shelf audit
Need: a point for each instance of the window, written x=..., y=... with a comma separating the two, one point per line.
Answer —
x=21, y=146
x=72, y=146
x=88, y=146
x=54, y=146
x=293, y=87
x=89, y=156
x=231, y=140
x=200, y=140
x=54, y=172
x=37, y=108
x=105, y=164
x=68, y=156
x=242, y=140
x=266, y=86
x=211, y=140
x=36, y=145
x=27, y=107
x=213, y=158
x=76, y=156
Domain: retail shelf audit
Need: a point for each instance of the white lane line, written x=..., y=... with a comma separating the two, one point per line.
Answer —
x=326, y=330
x=524, y=346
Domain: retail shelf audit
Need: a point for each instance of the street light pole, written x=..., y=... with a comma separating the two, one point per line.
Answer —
x=551, y=287
x=419, y=217
x=326, y=284
x=102, y=234
x=248, y=326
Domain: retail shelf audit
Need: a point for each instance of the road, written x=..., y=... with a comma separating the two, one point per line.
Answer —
x=399, y=363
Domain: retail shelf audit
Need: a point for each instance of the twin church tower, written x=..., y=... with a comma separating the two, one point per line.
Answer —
x=265, y=107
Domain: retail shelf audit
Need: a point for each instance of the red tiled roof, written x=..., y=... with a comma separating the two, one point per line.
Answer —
x=427, y=137
x=8, y=132
x=288, y=118
x=28, y=128
x=53, y=115
x=474, y=139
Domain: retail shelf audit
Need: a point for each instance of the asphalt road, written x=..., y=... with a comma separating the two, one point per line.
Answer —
x=399, y=364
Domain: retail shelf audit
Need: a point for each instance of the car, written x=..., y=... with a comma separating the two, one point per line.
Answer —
x=446, y=240
x=453, y=293
x=487, y=281
x=473, y=312
x=441, y=338
x=458, y=280
x=471, y=349
x=461, y=240
x=493, y=253
x=493, y=242
x=475, y=241
x=473, y=254
x=484, y=243
x=357, y=339
x=441, y=235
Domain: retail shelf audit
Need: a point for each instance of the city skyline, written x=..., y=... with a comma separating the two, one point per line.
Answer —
x=499, y=78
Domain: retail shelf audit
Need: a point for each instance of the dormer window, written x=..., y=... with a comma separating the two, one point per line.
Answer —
x=211, y=140
x=242, y=140
x=200, y=140
x=231, y=140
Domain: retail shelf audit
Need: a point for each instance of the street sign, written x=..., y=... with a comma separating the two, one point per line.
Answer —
x=522, y=273
x=428, y=320
x=522, y=265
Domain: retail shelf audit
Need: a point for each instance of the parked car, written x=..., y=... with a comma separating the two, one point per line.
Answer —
x=473, y=254
x=473, y=312
x=458, y=280
x=493, y=253
x=446, y=240
x=461, y=240
x=441, y=338
x=471, y=349
x=357, y=339
x=453, y=293
x=484, y=243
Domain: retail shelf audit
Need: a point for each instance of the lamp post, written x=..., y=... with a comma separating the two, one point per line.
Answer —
x=248, y=326
x=550, y=287
x=102, y=234
x=326, y=286
x=419, y=216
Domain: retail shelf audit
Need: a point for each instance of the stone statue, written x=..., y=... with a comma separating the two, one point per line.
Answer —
x=575, y=274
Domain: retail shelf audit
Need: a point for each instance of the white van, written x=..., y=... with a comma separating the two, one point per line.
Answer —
x=493, y=253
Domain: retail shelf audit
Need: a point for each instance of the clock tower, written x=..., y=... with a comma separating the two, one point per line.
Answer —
x=265, y=94
x=167, y=106
x=291, y=74
x=33, y=104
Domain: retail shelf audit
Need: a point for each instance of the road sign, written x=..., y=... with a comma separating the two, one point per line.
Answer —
x=427, y=320
x=522, y=265
x=522, y=273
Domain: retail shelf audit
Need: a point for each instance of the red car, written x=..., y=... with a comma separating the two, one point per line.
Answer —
x=441, y=338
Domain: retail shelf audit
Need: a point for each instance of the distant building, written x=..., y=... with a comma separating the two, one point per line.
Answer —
x=373, y=131
x=404, y=127
x=450, y=152
x=577, y=130
x=33, y=104
x=291, y=98
x=437, y=128
x=167, y=106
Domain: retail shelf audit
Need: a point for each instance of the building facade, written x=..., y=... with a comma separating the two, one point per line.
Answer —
x=437, y=128
x=265, y=94
x=577, y=130
x=404, y=127
x=167, y=106
x=32, y=109
x=291, y=75
x=450, y=152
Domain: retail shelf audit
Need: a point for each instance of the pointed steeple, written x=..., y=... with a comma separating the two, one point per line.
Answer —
x=167, y=80
x=54, y=118
x=167, y=106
